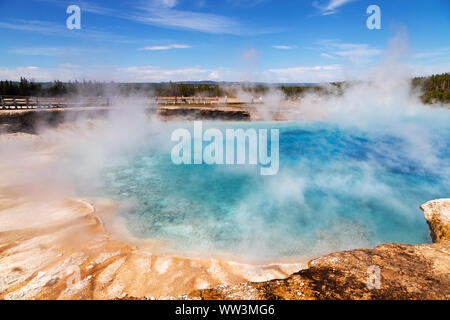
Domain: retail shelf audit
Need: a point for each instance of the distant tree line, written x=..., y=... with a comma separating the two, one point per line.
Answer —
x=87, y=88
x=300, y=91
x=26, y=87
x=435, y=88
x=21, y=88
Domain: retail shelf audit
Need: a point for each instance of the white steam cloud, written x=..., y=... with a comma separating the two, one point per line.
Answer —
x=383, y=104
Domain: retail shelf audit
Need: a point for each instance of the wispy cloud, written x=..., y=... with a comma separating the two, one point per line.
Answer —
x=152, y=73
x=331, y=6
x=168, y=47
x=429, y=69
x=85, y=6
x=69, y=72
x=33, y=26
x=69, y=65
x=157, y=74
x=165, y=13
x=196, y=21
x=305, y=68
x=53, y=51
x=357, y=53
x=282, y=47
x=38, y=51
x=318, y=73
x=437, y=53
x=326, y=55
x=166, y=3
x=59, y=29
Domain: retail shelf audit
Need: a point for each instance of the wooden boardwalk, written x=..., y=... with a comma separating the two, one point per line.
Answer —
x=21, y=103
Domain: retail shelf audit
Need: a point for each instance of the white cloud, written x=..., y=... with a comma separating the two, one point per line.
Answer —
x=282, y=47
x=70, y=72
x=151, y=73
x=59, y=29
x=426, y=70
x=437, y=53
x=164, y=13
x=166, y=3
x=356, y=53
x=326, y=55
x=334, y=4
x=68, y=65
x=38, y=51
x=85, y=6
x=296, y=70
x=33, y=26
x=29, y=72
x=195, y=21
x=319, y=73
x=167, y=47
x=205, y=22
x=331, y=7
x=214, y=75
x=53, y=51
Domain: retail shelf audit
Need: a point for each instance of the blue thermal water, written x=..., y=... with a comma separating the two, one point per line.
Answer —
x=337, y=188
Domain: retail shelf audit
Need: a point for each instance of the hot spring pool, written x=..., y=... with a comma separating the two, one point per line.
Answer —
x=337, y=188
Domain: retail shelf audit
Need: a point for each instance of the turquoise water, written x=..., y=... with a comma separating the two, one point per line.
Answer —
x=338, y=188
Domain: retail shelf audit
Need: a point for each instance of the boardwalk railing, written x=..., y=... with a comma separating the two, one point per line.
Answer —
x=185, y=100
x=18, y=102
x=199, y=101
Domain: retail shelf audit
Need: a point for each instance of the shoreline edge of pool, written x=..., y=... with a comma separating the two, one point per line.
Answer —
x=68, y=250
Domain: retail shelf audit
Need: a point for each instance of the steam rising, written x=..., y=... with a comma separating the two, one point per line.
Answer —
x=374, y=149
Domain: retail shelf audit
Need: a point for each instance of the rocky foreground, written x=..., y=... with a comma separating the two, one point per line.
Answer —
x=62, y=251
x=389, y=271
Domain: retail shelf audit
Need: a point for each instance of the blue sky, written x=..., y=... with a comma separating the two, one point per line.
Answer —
x=231, y=40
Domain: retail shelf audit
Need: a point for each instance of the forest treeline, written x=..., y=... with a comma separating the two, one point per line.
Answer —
x=435, y=88
x=96, y=89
